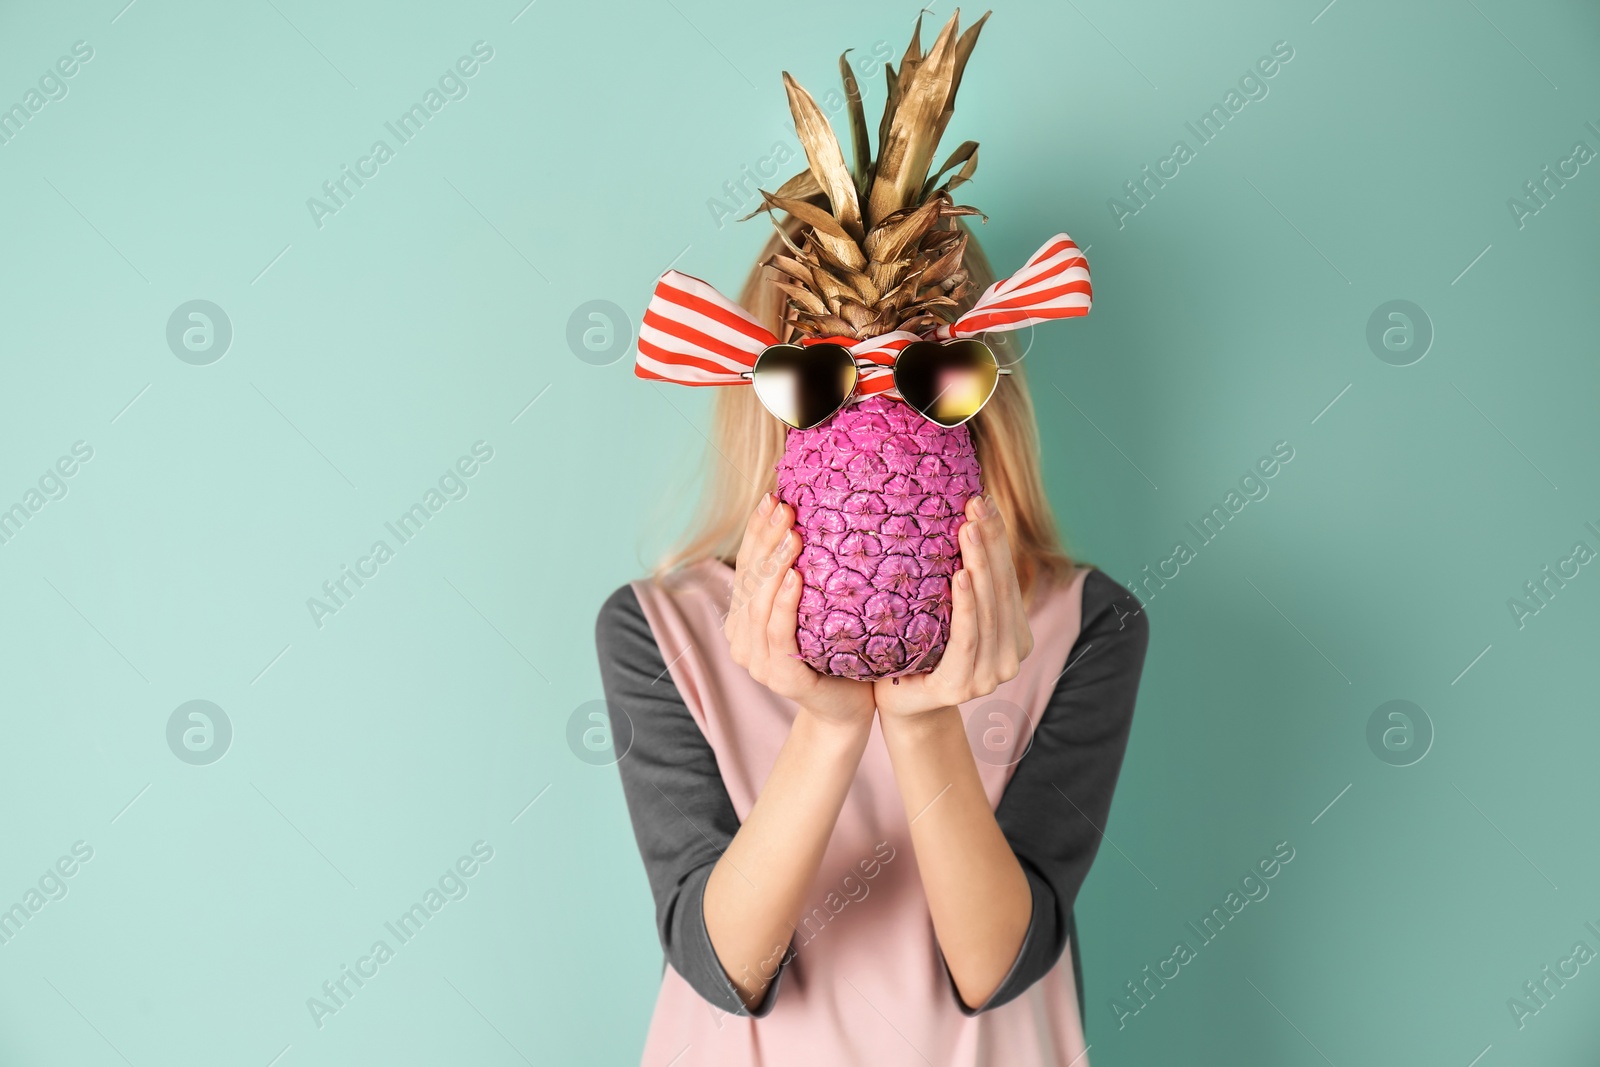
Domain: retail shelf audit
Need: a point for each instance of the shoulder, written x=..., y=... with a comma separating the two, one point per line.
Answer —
x=621, y=626
x=622, y=604
x=674, y=607
x=1108, y=607
x=1113, y=636
x=1095, y=693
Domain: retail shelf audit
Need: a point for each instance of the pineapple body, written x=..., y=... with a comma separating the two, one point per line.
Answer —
x=878, y=494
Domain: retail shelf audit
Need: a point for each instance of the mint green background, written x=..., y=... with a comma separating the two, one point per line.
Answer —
x=369, y=754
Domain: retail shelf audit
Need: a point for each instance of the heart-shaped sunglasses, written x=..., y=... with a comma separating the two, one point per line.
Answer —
x=947, y=382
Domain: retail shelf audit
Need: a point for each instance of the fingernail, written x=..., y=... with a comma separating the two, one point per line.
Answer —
x=980, y=507
x=962, y=580
x=789, y=579
x=765, y=505
x=777, y=515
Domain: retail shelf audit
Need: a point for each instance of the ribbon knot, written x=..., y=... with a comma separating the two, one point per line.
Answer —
x=693, y=335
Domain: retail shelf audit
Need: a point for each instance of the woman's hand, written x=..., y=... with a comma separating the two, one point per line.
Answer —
x=989, y=634
x=782, y=840
x=763, y=616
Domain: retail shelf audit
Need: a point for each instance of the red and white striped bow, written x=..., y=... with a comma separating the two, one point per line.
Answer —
x=693, y=335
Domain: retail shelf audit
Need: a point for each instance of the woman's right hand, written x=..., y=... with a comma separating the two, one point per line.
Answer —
x=764, y=614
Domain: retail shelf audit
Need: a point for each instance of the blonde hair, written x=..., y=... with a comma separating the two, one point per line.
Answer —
x=747, y=442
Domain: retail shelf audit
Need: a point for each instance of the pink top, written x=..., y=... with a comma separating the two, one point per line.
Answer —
x=867, y=984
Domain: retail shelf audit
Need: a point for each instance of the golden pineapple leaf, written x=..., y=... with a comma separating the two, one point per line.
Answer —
x=966, y=154
x=824, y=250
x=896, y=79
x=860, y=146
x=802, y=186
x=820, y=220
x=962, y=209
x=914, y=49
x=832, y=326
x=904, y=156
x=947, y=263
x=964, y=47
x=832, y=289
x=803, y=298
x=824, y=229
x=901, y=294
x=899, y=233
x=860, y=285
x=913, y=55
x=827, y=161
x=857, y=315
x=794, y=268
x=783, y=235
x=886, y=274
x=916, y=323
x=889, y=103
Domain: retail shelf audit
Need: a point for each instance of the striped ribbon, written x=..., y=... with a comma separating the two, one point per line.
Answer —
x=693, y=335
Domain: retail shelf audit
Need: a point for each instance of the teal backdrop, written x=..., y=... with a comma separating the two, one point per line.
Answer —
x=190, y=484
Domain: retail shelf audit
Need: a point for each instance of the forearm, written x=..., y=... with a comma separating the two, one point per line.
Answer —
x=977, y=892
x=756, y=891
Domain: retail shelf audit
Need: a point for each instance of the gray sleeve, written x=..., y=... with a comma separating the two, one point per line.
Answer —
x=682, y=816
x=1055, y=806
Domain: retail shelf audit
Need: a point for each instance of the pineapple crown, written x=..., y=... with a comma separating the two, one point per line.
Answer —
x=876, y=261
x=875, y=253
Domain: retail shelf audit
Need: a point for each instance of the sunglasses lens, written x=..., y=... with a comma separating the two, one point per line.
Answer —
x=949, y=382
x=804, y=385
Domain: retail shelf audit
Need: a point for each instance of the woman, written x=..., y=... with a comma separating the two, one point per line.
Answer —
x=881, y=871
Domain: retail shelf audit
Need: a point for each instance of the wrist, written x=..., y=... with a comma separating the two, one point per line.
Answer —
x=922, y=726
x=827, y=728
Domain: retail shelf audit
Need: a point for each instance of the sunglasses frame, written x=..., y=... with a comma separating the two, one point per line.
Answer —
x=866, y=364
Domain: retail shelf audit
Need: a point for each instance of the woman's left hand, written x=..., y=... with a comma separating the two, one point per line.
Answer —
x=989, y=634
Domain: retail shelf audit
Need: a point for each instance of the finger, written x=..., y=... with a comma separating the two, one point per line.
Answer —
x=1003, y=558
x=777, y=545
x=749, y=545
x=976, y=559
x=1009, y=618
x=785, y=617
x=954, y=673
x=762, y=512
x=746, y=576
x=768, y=575
x=769, y=537
x=754, y=528
x=777, y=520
